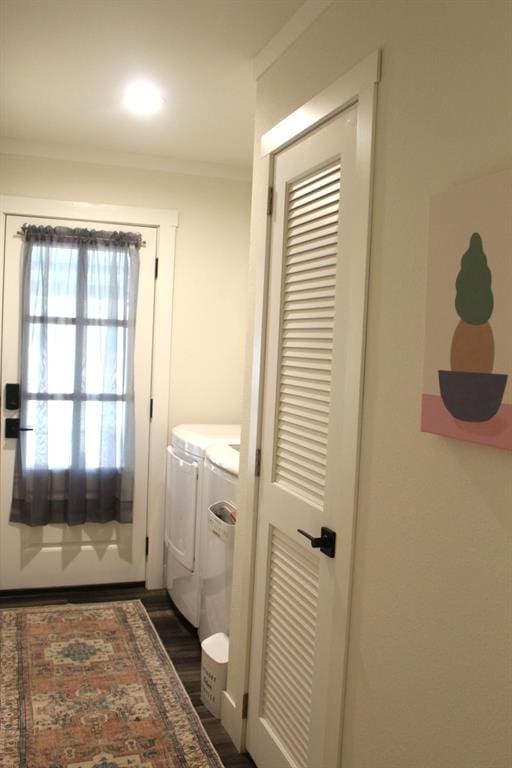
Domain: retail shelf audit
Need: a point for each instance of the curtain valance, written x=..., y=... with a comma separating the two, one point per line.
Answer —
x=32, y=233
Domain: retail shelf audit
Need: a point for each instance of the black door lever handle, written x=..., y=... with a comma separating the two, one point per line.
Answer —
x=13, y=429
x=316, y=541
x=326, y=542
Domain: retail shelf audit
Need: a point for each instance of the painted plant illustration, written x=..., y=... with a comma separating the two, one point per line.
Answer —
x=467, y=377
x=471, y=391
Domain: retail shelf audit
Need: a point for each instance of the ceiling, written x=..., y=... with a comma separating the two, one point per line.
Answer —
x=64, y=64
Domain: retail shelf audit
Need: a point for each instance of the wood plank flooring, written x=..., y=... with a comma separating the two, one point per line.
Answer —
x=179, y=638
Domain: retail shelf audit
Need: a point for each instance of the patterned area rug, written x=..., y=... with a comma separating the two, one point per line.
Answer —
x=91, y=686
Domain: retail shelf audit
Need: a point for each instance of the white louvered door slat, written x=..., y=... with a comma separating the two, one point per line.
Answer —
x=292, y=606
x=295, y=584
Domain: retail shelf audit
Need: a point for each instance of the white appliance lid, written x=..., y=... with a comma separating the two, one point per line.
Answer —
x=195, y=438
x=224, y=457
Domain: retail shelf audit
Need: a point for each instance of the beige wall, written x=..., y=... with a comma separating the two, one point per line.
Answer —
x=429, y=666
x=209, y=316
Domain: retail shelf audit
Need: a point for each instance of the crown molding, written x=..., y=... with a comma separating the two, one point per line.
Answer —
x=294, y=27
x=163, y=164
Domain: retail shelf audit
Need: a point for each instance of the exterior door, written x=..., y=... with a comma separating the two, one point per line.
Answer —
x=296, y=664
x=61, y=555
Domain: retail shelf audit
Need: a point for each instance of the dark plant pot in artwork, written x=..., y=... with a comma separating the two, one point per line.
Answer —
x=472, y=396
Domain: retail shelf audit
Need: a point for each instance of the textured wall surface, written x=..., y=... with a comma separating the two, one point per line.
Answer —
x=209, y=315
x=429, y=678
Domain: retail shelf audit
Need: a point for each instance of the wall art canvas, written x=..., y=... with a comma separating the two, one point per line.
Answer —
x=467, y=390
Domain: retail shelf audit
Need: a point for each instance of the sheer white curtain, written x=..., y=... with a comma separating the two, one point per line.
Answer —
x=79, y=306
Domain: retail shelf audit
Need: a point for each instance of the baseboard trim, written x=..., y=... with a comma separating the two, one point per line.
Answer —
x=40, y=591
x=232, y=721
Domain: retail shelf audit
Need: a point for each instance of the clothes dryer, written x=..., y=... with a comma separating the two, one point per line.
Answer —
x=184, y=490
x=219, y=507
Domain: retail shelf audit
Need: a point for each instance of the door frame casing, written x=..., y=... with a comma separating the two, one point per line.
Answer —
x=165, y=222
x=358, y=86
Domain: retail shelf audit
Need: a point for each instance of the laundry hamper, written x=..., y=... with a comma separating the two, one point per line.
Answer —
x=214, y=670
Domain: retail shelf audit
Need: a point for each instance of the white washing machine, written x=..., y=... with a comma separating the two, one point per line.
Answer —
x=184, y=489
x=220, y=491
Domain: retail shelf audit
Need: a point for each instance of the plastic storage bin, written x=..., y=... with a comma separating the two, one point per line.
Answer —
x=217, y=569
x=221, y=521
x=214, y=670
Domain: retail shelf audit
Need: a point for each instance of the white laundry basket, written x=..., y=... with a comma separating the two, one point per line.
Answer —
x=214, y=670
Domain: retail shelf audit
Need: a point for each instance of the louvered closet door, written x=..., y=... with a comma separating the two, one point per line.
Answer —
x=295, y=657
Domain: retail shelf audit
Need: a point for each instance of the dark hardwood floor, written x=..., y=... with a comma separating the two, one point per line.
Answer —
x=179, y=638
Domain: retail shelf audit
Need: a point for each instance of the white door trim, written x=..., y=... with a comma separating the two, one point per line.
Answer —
x=165, y=222
x=358, y=86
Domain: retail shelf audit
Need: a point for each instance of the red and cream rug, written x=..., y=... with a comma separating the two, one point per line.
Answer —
x=91, y=686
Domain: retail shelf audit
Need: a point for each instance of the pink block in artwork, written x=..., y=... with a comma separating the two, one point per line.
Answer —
x=497, y=431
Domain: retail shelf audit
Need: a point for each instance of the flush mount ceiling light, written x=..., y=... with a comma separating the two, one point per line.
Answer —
x=142, y=98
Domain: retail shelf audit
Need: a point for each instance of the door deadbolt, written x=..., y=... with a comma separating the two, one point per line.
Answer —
x=12, y=397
